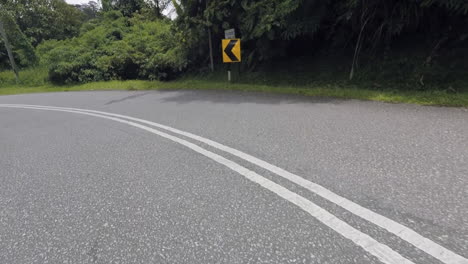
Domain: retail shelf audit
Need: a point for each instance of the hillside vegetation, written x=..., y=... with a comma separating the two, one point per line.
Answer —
x=381, y=45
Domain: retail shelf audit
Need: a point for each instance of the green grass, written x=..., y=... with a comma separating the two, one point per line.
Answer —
x=31, y=83
x=28, y=77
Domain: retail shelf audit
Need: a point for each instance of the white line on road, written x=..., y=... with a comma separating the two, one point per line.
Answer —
x=435, y=250
x=384, y=253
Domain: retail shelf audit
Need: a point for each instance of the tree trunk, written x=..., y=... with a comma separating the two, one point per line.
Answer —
x=211, y=45
x=211, y=50
x=358, y=48
x=9, y=51
x=158, y=9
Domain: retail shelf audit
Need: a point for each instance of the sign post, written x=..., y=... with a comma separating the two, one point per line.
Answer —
x=231, y=49
x=231, y=52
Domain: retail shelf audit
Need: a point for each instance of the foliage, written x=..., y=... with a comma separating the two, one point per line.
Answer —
x=116, y=47
x=131, y=39
x=264, y=25
x=29, y=22
x=45, y=19
x=22, y=49
x=90, y=10
x=127, y=7
x=31, y=77
x=271, y=29
x=158, y=7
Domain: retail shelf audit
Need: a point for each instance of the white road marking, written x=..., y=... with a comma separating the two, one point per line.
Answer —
x=384, y=253
x=435, y=250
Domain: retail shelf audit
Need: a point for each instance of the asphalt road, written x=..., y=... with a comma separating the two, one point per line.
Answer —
x=82, y=187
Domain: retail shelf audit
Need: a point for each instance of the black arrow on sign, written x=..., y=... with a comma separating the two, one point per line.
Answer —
x=228, y=50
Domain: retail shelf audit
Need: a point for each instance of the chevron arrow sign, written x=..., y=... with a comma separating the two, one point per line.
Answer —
x=231, y=50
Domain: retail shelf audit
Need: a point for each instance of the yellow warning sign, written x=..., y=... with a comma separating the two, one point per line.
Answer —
x=231, y=50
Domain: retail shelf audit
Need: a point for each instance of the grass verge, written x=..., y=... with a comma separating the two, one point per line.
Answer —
x=439, y=98
x=342, y=91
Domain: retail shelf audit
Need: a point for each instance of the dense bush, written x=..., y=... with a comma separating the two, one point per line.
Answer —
x=116, y=47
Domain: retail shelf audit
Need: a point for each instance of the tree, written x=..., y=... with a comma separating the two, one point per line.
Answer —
x=45, y=19
x=127, y=7
x=90, y=9
x=376, y=23
x=159, y=6
x=3, y=34
x=19, y=48
x=265, y=26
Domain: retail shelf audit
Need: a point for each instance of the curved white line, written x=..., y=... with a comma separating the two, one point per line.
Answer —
x=381, y=251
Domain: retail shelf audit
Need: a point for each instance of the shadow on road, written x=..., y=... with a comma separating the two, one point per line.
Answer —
x=236, y=97
x=127, y=98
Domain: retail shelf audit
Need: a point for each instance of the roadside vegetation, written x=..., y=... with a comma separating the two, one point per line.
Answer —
x=392, y=51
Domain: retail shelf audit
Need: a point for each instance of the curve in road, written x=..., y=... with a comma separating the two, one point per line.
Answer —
x=381, y=251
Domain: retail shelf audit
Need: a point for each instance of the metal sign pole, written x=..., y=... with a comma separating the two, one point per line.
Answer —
x=231, y=50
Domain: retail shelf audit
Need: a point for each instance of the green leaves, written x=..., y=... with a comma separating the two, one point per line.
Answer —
x=127, y=7
x=119, y=48
x=22, y=49
x=46, y=19
x=130, y=38
x=458, y=6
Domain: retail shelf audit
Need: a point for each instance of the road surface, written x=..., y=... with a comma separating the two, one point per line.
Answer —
x=228, y=177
